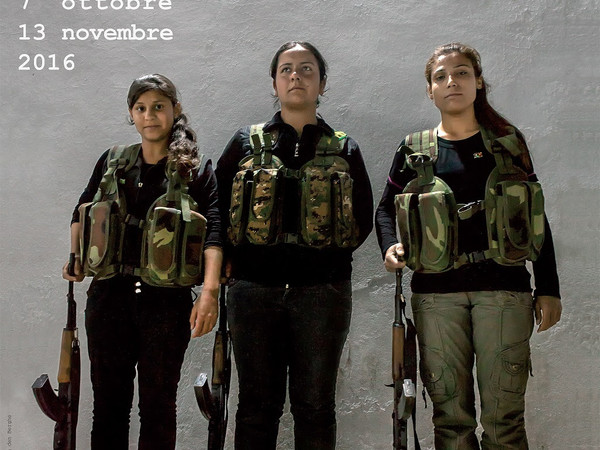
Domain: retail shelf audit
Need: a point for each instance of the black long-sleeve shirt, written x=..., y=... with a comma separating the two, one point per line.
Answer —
x=291, y=263
x=465, y=166
x=144, y=183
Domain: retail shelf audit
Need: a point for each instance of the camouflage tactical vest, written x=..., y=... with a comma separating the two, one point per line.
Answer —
x=326, y=217
x=173, y=231
x=428, y=215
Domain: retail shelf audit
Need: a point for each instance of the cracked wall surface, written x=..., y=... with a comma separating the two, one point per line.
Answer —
x=540, y=57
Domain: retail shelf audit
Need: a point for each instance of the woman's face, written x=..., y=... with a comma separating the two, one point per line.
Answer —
x=153, y=115
x=297, y=81
x=453, y=85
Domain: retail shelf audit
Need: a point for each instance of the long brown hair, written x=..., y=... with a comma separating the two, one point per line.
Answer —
x=485, y=115
x=183, y=149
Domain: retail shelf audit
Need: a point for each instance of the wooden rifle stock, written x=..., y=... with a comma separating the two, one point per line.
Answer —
x=403, y=369
x=64, y=407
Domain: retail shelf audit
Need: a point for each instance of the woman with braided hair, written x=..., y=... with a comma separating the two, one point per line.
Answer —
x=133, y=320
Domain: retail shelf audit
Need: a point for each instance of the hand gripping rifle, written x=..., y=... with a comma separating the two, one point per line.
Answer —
x=212, y=401
x=63, y=408
x=404, y=370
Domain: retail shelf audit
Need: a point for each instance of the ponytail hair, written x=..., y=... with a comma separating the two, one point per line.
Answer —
x=182, y=150
x=485, y=115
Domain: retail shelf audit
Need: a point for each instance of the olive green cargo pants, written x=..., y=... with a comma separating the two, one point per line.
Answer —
x=492, y=328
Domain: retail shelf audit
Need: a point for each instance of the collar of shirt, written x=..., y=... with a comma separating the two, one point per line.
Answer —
x=277, y=122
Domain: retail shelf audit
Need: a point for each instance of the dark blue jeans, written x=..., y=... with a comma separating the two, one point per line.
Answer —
x=276, y=330
x=129, y=325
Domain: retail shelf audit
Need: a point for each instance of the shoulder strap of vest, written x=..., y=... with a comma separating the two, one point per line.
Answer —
x=177, y=188
x=509, y=142
x=421, y=154
x=126, y=155
x=328, y=148
x=503, y=148
x=119, y=157
x=331, y=145
x=262, y=144
x=257, y=129
x=424, y=142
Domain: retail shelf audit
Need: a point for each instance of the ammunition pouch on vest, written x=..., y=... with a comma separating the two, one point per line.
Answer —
x=514, y=209
x=428, y=215
x=255, y=211
x=173, y=232
x=100, y=237
x=173, y=238
x=101, y=220
x=325, y=189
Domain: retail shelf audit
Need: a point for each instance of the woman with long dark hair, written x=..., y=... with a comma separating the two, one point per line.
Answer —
x=467, y=232
x=144, y=226
x=297, y=201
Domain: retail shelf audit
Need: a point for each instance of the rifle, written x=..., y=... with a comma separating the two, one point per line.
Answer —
x=404, y=370
x=212, y=401
x=63, y=408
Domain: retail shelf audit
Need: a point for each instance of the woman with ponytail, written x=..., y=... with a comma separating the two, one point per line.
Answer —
x=133, y=321
x=478, y=308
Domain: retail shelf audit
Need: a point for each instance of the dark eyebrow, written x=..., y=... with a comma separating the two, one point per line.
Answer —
x=152, y=103
x=304, y=62
x=444, y=69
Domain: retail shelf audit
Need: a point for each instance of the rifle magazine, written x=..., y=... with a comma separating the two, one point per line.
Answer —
x=204, y=396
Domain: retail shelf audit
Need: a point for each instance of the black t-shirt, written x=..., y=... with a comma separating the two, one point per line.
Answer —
x=465, y=165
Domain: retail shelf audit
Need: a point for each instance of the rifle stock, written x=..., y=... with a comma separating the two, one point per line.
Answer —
x=64, y=407
x=47, y=399
x=212, y=401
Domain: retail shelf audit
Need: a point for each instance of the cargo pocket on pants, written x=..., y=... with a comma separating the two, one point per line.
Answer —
x=436, y=376
x=511, y=371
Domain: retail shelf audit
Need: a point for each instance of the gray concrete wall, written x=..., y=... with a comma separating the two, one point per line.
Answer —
x=541, y=58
